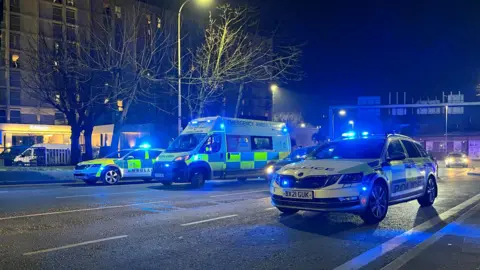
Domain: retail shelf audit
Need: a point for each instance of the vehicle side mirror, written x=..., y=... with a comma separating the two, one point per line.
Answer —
x=397, y=156
x=130, y=157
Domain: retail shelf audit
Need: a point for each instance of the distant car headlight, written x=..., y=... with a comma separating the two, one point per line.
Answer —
x=465, y=160
x=270, y=169
x=449, y=160
x=351, y=178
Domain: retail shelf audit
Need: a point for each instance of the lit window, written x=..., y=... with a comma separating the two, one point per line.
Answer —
x=118, y=12
x=159, y=23
x=71, y=3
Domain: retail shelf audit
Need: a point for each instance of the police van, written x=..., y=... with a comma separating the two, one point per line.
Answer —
x=358, y=174
x=222, y=148
x=127, y=163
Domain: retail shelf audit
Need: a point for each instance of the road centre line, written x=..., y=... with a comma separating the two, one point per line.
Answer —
x=74, y=245
x=208, y=220
x=412, y=253
x=102, y=194
x=239, y=193
x=378, y=251
x=79, y=210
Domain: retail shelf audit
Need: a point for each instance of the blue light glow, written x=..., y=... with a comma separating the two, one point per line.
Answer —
x=335, y=157
x=101, y=168
x=349, y=134
x=222, y=126
x=284, y=183
x=208, y=121
x=167, y=165
x=194, y=122
x=145, y=145
x=364, y=188
x=365, y=133
x=285, y=129
x=195, y=157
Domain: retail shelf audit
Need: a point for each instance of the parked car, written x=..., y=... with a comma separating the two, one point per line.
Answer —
x=362, y=175
x=457, y=160
x=295, y=156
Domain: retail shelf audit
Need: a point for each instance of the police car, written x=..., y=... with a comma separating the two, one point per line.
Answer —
x=128, y=163
x=358, y=174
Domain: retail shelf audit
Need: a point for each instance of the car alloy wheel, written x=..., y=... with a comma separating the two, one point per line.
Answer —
x=431, y=190
x=378, y=201
x=111, y=177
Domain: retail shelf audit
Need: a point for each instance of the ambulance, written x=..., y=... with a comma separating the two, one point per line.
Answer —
x=222, y=148
x=127, y=163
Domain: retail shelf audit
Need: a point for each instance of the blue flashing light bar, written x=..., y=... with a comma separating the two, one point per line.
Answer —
x=349, y=134
x=365, y=133
x=194, y=122
x=145, y=145
x=222, y=126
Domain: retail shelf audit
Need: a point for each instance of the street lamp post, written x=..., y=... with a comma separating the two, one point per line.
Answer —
x=274, y=89
x=352, y=123
x=179, y=49
x=446, y=129
x=341, y=113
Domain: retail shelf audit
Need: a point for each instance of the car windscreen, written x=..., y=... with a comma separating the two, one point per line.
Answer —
x=349, y=149
x=118, y=154
x=185, y=142
x=300, y=153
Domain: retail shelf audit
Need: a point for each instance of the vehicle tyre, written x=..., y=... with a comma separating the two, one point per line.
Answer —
x=111, y=176
x=287, y=211
x=90, y=182
x=377, y=204
x=197, y=179
x=167, y=183
x=430, y=193
x=242, y=179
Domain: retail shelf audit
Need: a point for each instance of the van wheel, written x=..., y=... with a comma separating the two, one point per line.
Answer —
x=430, y=193
x=197, y=179
x=377, y=204
x=111, y=176
x=242, y=179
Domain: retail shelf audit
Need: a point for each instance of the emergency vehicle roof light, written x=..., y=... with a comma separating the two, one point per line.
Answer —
x=145, y=145
x=349, y=134
x=194, y=122
x=222, y=126
x=365, y=133
x=285, y=129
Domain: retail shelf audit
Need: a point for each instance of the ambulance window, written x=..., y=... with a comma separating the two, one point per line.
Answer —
x=153, y=154
x=262, y=143
x=138, y=154
x=237, y=143
x=411, y=149
x=213, y=144
x=395, y=146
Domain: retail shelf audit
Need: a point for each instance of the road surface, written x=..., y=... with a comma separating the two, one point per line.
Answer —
x=224, y=225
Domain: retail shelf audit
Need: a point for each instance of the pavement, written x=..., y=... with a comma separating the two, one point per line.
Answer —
x=224, y=225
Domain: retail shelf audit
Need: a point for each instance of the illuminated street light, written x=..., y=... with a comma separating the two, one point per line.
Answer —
x=303, y=125
x=342, y=113
x=351, y=123
x=202, y=3
x=274, y=87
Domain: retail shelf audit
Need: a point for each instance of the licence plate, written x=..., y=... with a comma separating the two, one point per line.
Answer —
x=297, y=194
x=160, y=175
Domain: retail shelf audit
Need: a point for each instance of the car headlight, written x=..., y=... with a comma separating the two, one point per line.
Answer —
x=465, y=160
x=449, y=160
x=270, y=169
x=351, y=178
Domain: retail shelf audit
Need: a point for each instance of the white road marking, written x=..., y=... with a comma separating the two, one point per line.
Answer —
x=74, y=245
x=376, y=252
x=406, y=257
x=208, y=220
x=239, y=193
x=270, y=208
x=79, y=210
x=101, y=194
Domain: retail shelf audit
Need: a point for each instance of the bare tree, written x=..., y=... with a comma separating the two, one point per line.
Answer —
x=52, y=75
x=233, y=52
x=129, y=51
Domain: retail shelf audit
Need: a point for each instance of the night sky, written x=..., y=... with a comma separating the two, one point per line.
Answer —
x=374, y=47
x=355, y=48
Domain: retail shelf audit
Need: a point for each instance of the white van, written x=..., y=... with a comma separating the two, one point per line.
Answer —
x=222, y=148
x=44, y=155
